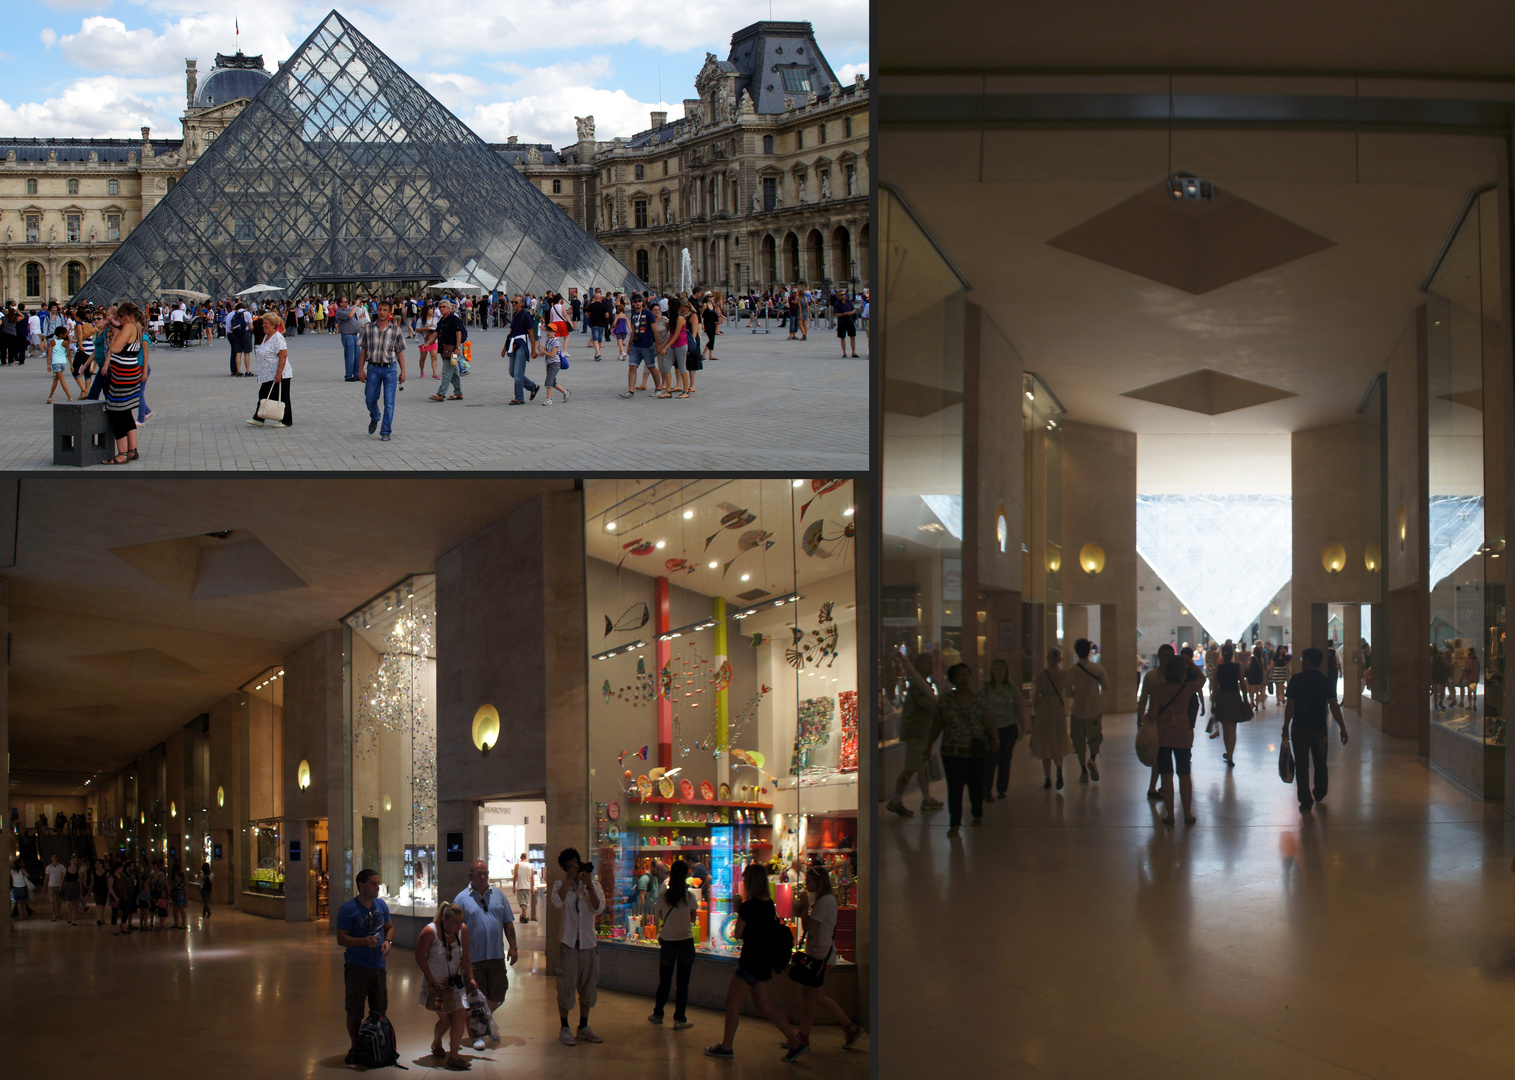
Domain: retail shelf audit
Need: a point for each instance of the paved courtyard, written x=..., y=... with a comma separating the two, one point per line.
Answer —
x=767, y=404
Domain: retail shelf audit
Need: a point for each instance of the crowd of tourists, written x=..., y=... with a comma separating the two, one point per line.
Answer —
x=972, y=731
x=665, y=339
x=464, y=954
x=154, y=891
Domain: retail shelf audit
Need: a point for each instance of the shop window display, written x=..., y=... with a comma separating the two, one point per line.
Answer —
x=267, y=875
x=723, y=696
x=392, y=658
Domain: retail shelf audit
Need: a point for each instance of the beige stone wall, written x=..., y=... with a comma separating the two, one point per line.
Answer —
x=1407, y=560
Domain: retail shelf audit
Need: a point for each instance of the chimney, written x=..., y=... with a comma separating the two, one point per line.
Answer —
x=659, y=119
x=511, y=140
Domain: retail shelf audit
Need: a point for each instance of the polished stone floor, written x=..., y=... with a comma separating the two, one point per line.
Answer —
x=1073, y=935
x=243, y=996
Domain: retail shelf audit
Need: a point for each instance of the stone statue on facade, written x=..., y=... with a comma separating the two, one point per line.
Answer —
x=615, y=218
x=189, y=82
x=851, y=181
x=757, y=204
x=52, y=234
x=8, y=236
x=585, y=126
x=799, y=188
x=825, y=187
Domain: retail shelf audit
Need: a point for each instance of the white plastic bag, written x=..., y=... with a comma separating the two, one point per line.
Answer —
x=480, y=1019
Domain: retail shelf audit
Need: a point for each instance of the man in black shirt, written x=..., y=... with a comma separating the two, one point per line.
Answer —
x=1310, y=695
x=598, y=316
x=451, y=334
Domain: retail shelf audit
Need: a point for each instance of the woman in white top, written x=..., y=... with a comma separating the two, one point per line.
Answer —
x=20, y=891
x=273, y=368
x=820, y=929
x=675, y=909
x=442, y=956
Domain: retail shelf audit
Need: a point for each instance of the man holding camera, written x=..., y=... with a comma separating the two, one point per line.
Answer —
x=579, y=896
x=366, y=932
x=490, y=925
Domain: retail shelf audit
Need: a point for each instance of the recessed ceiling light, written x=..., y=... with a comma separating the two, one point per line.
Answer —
x=746, y=576
x=712, y=564
x=799, y=483
x=662, y=543
x=847, y=512
x=610, y=526
x=688, y=514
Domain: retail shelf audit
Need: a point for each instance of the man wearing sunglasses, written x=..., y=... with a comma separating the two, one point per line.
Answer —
x=520, y=346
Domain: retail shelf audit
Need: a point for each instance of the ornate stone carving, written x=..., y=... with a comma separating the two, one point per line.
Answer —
x=585, y=126
x=825, y=186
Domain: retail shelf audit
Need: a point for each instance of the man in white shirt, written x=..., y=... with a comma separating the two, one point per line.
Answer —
x=1089, y=685
x=52, y=876
x=579, y=896
x=522, y=884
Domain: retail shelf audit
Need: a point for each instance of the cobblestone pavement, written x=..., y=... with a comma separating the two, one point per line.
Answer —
x=768, y=404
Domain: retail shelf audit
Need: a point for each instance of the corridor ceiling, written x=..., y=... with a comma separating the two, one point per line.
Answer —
x=1316, y=320
x=127, y=620
x=1409, y=36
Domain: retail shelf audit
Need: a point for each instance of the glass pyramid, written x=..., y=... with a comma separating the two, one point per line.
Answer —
x=344, y=169
x=1224, y=556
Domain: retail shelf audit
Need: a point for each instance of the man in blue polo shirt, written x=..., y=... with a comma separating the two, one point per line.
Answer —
x=490, y=924
x=366, y=932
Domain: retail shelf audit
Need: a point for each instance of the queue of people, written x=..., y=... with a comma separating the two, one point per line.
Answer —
x=465, y=951
x=154, y=892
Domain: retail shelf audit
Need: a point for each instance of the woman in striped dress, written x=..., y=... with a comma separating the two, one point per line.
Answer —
x=123, y=382
x=1279, y=676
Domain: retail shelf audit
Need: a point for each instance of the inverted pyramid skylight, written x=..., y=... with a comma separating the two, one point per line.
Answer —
x=1224, y=556
x=1456, y=533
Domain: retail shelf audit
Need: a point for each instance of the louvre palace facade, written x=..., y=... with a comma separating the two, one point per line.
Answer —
x=764, y=179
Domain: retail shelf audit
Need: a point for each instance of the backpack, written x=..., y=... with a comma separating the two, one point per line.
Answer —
x=780, y=945
x=376, y=1043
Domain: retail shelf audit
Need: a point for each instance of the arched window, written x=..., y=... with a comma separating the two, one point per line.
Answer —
x=73, y=187
x=33, y=279
x=113, y=187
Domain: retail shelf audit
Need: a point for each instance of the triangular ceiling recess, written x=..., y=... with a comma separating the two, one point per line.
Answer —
x=344, y=168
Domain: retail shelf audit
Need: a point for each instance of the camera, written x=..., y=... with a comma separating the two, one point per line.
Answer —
x=455, y=980
x=587, y=867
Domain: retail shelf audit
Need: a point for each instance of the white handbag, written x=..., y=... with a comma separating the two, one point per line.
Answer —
x=271, y=408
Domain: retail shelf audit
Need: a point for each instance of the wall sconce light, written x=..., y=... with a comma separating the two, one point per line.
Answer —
x=173, y=809
x=1404, y=527
x=1054, y=558
x=1183, y=611
x=1372, y=558
x=302, y=775
x=142, y=817
x=387, y=804
x=1275, y=609
x=1002, y=528
x=220, y=796
x=1333, y=558
x=486, y=728
x=1092, y=558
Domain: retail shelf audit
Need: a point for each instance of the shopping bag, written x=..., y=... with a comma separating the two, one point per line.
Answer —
x=1285, y=763
x=467, y=352
x=480, y=1019
x=1146, y=744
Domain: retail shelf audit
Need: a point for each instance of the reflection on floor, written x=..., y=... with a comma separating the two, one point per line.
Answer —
x=243, y=996
x=1072, y=935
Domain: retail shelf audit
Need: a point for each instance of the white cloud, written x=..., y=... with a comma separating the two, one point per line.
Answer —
x=547, y=115
x=49, y=36
x=847, y=72
x=103, y=43
x=100, y=108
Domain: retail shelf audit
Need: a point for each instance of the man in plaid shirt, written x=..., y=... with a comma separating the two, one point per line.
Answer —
x=381, y=364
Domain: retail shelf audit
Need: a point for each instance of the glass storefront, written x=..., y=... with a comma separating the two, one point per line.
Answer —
x=923, y=304
x=1467, y=534
x=723, y=711
x=391, y=661
x=266, y=837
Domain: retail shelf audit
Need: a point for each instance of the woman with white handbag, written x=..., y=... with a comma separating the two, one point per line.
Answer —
x=274, y=374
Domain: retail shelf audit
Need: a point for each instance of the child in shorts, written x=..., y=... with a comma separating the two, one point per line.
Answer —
x=621, y=328
x=57, y=361
x=553, y=354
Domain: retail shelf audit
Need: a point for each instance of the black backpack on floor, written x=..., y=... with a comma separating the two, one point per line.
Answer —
x=377, y=1048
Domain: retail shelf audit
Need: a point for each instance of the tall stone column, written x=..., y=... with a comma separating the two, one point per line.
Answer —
x=1405, y=663
x=313, y=706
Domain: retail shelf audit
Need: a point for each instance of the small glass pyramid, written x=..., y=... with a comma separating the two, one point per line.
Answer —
x=345, y=169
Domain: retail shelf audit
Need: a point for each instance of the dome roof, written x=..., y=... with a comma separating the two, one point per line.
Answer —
x=225, y=84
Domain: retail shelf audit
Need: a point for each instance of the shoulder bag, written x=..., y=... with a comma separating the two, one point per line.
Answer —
x=807, y=970
x=271, y=408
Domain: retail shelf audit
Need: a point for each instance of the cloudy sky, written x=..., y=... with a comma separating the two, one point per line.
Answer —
x=107, y=67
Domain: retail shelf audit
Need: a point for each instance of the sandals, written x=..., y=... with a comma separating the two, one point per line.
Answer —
x=132, y=455
x=663, y=395
x=436, y=397
x=682, y=394
x=453, y=397
x=627, y=394
x=119, y=459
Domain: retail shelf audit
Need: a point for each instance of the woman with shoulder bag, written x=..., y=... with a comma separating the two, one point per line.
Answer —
x=1049, y=717
x=968, y=740
x=442, y=955
x=1175, y=736
x=757, y=922
x=1227, y=706
x=675, y=909
x=819, y=956
x=274, y=373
